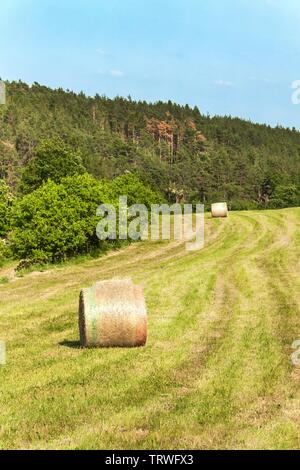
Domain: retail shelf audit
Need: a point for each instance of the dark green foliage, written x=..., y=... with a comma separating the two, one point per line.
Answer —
x=137, y=193
x=5, y=251
x=285, y=196
x=52, y=159
x=237, y=205
x=6, y=200
x=57, y=220
x=174, y=149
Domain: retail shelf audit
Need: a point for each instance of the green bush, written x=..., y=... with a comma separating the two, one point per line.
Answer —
x=5, y=252
x=137, y=192
x=243, y=205
x=57, y=220
x=6, y=201
x=285, y=196
x=52, y=159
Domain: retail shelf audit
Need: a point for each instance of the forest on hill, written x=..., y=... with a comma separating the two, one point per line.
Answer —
x=176, y=150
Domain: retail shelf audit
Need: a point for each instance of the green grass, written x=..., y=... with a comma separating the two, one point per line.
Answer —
x=216, y=372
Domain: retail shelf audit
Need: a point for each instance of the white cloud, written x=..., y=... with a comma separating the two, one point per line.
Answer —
x=116, y=73
x=223, y=83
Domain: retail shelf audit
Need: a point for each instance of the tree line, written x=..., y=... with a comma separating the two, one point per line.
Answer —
x=62, y=154
x=182, y=153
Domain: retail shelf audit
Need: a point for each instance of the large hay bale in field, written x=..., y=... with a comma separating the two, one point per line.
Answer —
x=219, y=209
x=113, y=314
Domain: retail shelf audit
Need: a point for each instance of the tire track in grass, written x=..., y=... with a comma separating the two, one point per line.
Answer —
x=280, y=420
x=252, y=338
x=231, y=298
x=220, y=402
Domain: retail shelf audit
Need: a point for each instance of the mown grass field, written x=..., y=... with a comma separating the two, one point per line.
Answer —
x=216, y=372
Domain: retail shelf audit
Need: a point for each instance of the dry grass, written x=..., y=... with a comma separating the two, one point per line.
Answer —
x=216, y=371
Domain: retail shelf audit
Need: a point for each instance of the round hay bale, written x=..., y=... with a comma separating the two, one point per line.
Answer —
x=219, y=209
x=113, y=314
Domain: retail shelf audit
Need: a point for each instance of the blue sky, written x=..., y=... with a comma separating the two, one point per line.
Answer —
x=235, y=57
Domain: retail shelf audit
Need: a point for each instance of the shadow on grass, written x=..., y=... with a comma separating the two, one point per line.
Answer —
x=70, y=344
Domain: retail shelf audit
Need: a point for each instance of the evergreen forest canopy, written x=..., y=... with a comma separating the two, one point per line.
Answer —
x=176, y=150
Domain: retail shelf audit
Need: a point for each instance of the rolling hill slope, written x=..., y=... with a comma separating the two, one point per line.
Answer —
x=216, y=372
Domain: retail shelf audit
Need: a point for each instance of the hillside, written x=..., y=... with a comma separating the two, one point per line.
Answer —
x=216, y=372
x=176, y=149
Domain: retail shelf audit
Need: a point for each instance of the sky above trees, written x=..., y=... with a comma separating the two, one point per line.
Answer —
x=235, y=57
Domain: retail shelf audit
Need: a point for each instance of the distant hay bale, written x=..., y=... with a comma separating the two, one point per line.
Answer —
x=219, y=209
x=113, y=314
